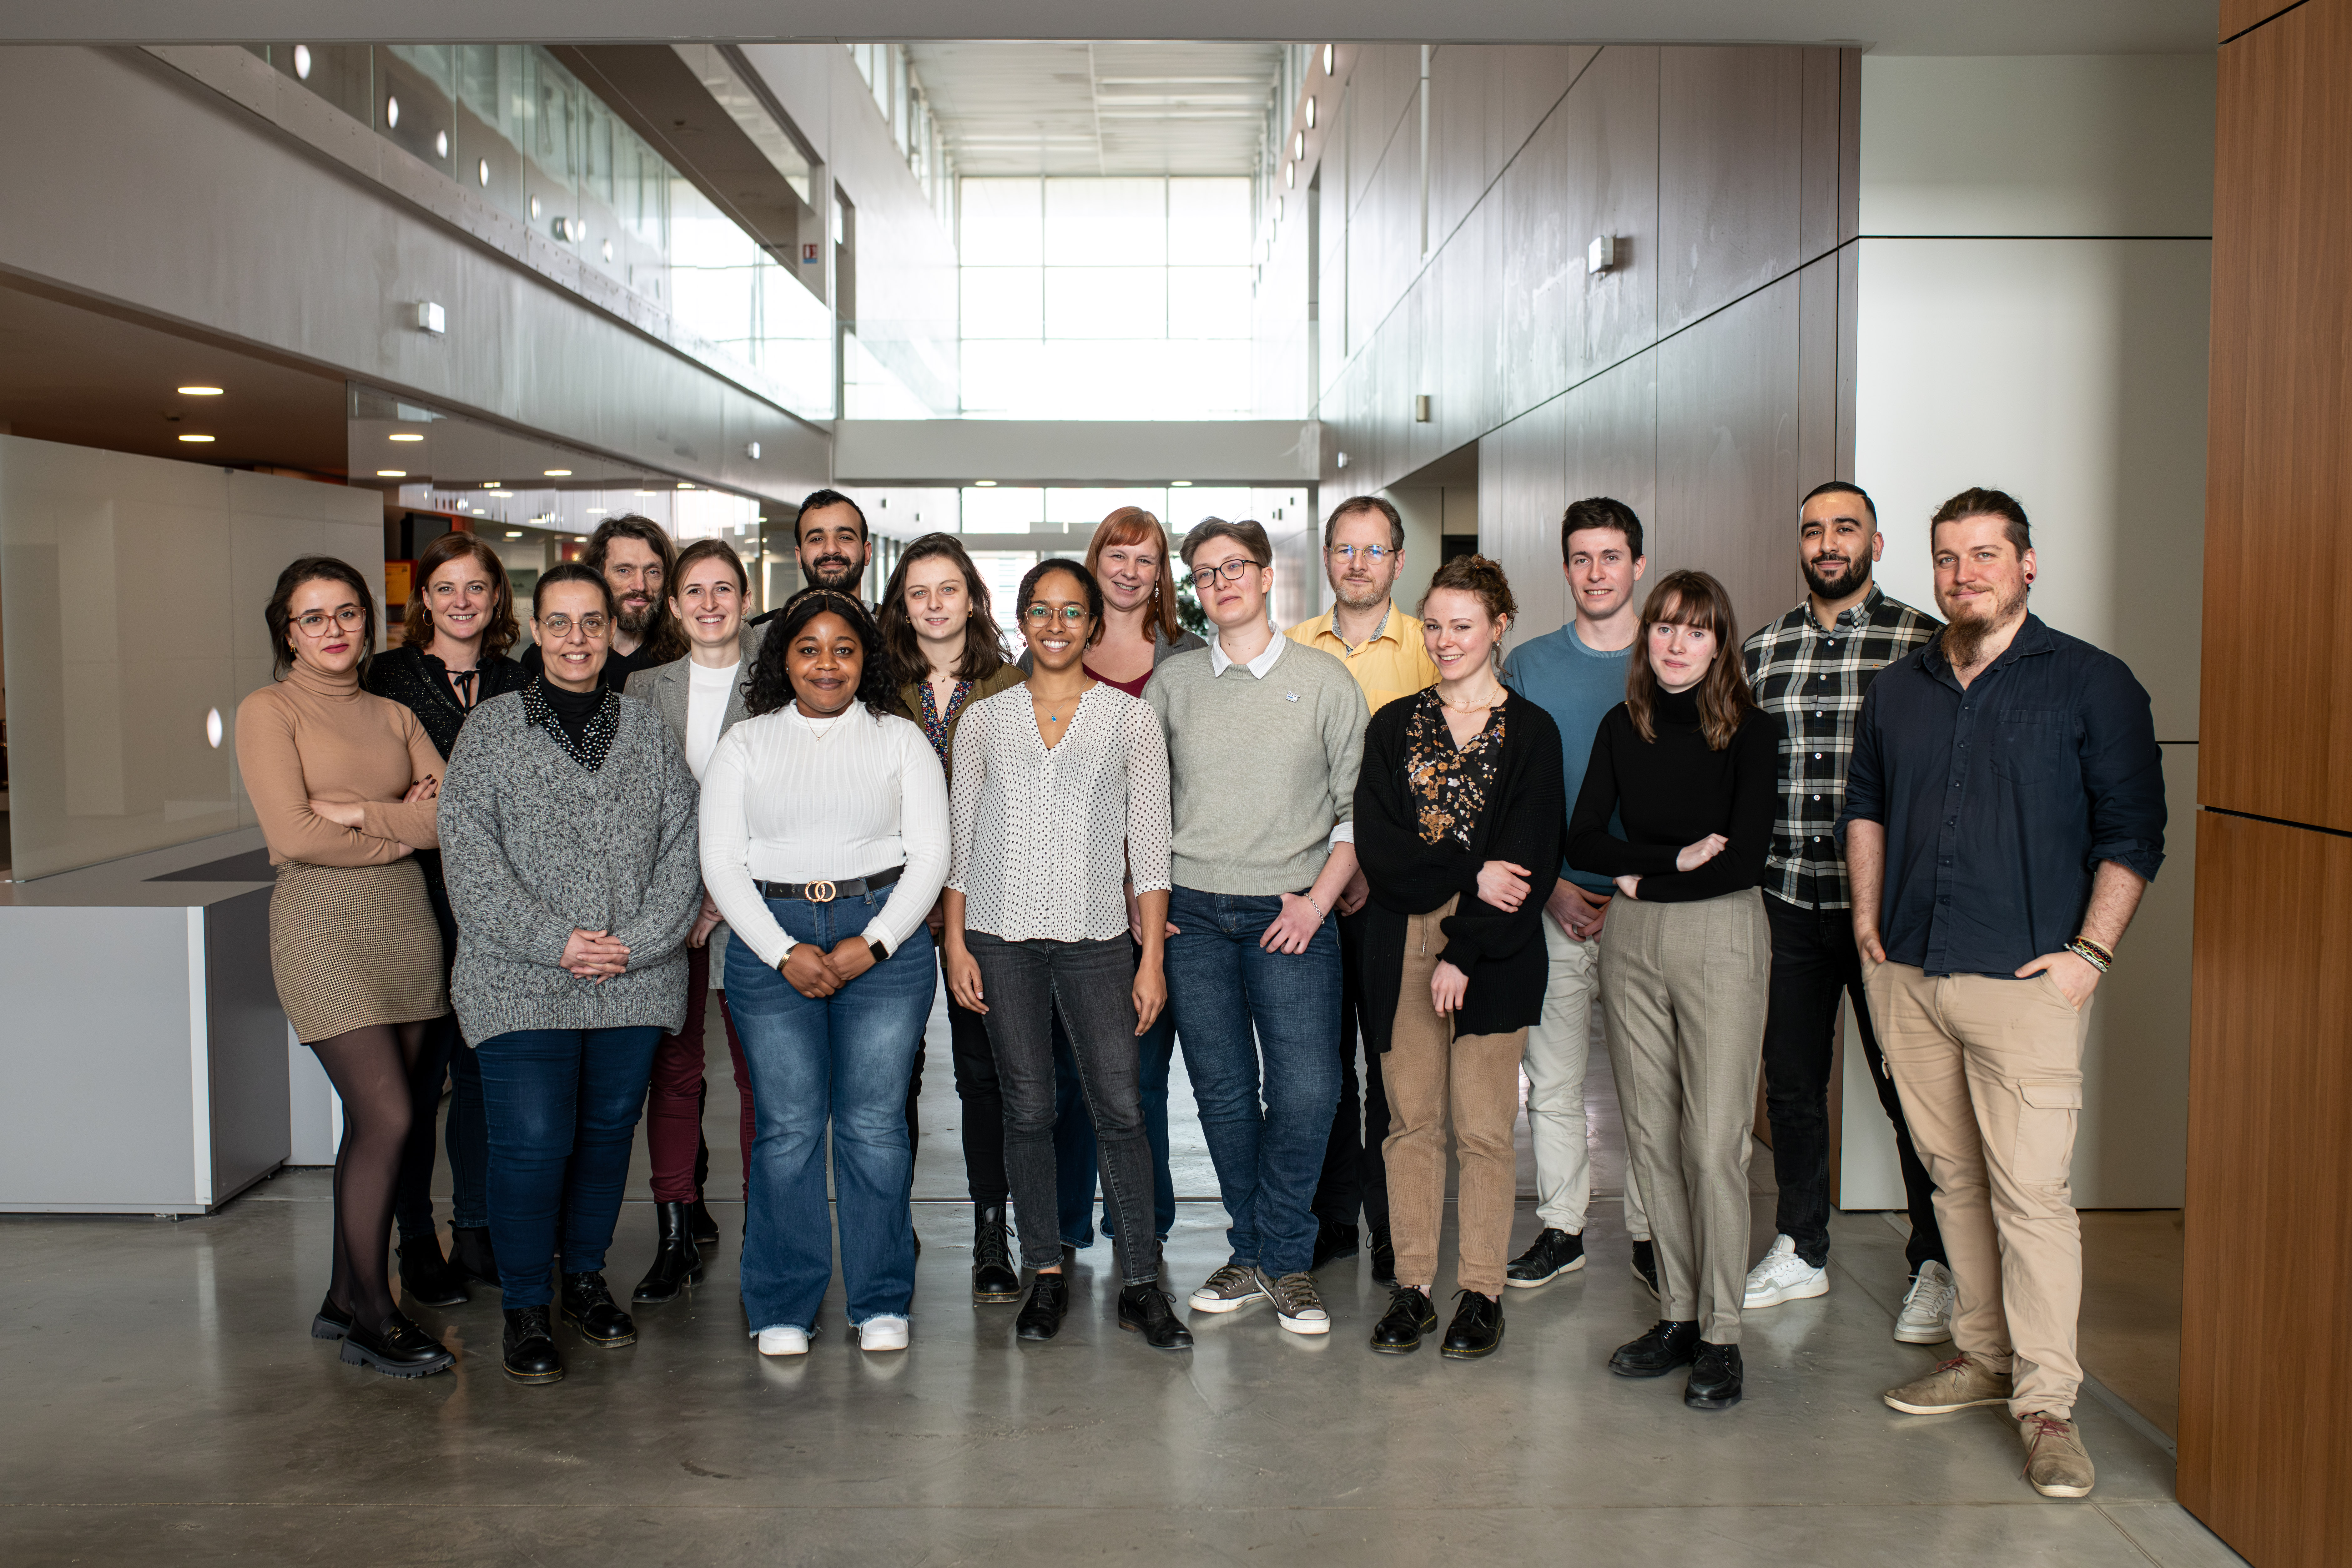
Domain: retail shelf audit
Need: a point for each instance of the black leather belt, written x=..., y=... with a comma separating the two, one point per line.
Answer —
x=826, y=892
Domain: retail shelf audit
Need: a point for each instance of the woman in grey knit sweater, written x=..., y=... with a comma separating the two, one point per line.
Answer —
x=567, y=823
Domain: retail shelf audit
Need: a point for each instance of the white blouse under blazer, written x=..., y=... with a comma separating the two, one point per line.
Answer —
x=1045, y=838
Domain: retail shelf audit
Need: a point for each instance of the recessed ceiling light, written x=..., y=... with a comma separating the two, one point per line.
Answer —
x=441, y=142
x=534, y=206
x=608, y=250
x=1331, y=58
x=391, y=111
x=482, y=172
x=507, y=493
x=406, y=435
x=492, y=484
x=514, y=534
x=557, y=473
x=391, y=473
x=1310, y=112
x=686, y=484
x=200, y=392
x=1289, y=176
x=1180, y=484
x=196, y=440
x=985, y=484
x=1298, y=143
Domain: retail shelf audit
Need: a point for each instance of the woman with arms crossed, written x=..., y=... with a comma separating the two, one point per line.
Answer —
x=451, y=657
x=1061, y=790
x=568, y=816
x=824, y=842
x=939, y=631
x=1689, y=765
x=1458, y=815
x=343, y=784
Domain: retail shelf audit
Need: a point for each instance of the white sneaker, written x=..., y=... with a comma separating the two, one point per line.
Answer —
x=1927, y=1315
x=1782, y=1276
x=783, y=1340
x=883, y=1332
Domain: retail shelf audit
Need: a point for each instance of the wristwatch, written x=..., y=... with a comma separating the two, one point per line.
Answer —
x=880, y=951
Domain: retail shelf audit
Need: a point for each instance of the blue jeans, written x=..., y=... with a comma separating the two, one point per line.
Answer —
x=1259, y=1029
x=1074, y=1131
x=847, y=1056
x=562, y=1107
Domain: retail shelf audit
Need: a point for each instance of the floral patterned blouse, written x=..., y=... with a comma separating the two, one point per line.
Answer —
x=938, y=726
x=1449, y=784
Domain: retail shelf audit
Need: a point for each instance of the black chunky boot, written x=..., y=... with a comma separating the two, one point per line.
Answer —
x=993, y=1277
x=1476, y=1329
x=399, y=1349
x=589, y=1307
x=678, y=1261
x=471, y=1253
x=1666, y=1346
x=1146, y=1310
x=701, y=1225
x=530, y=1346
x=331, y=1322
x=1411, y=1317
x=1049, y=1303
x=426, y=1275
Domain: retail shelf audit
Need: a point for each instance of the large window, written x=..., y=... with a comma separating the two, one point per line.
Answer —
x=1094, y=299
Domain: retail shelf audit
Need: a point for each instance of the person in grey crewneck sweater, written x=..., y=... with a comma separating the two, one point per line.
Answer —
x=1265, y=737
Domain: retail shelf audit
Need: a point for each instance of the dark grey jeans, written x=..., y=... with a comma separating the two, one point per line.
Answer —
x=1090, y=984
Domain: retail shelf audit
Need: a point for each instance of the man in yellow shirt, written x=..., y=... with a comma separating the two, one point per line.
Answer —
x=1363, y=551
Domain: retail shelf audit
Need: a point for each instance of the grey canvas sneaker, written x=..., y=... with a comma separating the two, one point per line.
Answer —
x=1959, y=1384
x=1295, y=1303
x=2056, y=1461
x=1230, y=1287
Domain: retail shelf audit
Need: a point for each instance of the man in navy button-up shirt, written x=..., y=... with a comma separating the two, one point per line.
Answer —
x=2003, y=811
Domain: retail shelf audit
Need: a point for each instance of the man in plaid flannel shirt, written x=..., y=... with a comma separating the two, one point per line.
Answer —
x=1812, y=666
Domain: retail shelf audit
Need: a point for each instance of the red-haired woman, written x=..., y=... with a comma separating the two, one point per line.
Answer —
x=451, y=657
x=946, y=653
x=1689, y=766
x=1130, y=557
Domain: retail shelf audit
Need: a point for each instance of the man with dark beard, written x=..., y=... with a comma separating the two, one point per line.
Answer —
x=637, y=560
x=1812, y=666
x=832, y=544
x=2003, y=812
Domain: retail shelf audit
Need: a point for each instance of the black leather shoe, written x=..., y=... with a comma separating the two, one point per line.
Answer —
x=588, y=1306
x=1646, y=1268
x=399, y=1349
x=530, y=1346
x=331, y=1322
x=1476, y=1329
x=993, y=1277
x=1383, y=1259
x=1333, y=1241
x=426, y=1275
x=1410, y=1314
x=700, y=1227
x=471, y=1253
x=678, y=1261
x=1714, y=1378
x=1049, y=1302
x=1552, y=1254
x=1665, y=1347
x=1147, y=1310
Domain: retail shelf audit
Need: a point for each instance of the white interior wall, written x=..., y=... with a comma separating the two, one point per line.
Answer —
x=2033, y=270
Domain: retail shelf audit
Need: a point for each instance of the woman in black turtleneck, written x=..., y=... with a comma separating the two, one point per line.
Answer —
x=1687, y=767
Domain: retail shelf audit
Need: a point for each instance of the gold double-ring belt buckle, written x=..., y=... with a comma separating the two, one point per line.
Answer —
x=820, y=892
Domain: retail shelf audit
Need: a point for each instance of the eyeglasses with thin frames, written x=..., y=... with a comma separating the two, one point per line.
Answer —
x=350, y=618
x=1072, y=616
x=1373, y=554
x=1206, y=576
x=557, y=627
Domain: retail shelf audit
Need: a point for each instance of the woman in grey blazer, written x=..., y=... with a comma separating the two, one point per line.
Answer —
x=700, y=697
x=567, y=822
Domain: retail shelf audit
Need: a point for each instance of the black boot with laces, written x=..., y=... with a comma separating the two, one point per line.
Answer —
x=993, y=1277
x=1049, y=1304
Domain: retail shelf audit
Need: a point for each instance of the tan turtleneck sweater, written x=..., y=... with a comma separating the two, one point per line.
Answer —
x=314, y=736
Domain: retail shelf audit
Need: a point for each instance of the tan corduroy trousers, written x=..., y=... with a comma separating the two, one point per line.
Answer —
x=1429, y=1071
x=1683, y=987
x=1990, y=1071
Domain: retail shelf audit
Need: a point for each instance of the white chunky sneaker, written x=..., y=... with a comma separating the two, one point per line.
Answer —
x=883, y=1332
x=783, y=1340
x=1782, y=1276
x=1927, y=1315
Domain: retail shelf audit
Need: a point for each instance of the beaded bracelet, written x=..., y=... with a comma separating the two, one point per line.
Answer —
x=2092, y=954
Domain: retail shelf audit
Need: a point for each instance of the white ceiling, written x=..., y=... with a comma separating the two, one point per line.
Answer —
x=1100, y=109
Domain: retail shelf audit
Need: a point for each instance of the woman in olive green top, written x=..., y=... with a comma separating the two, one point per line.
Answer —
x=946, y=654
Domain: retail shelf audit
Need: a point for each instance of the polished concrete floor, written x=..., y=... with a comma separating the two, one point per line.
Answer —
x=166, y=1407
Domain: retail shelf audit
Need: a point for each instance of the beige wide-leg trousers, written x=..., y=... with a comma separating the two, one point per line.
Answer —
x=1683, y=990
x=1990, y=1071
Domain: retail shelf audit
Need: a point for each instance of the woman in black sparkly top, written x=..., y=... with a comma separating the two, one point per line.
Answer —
x=453, y=657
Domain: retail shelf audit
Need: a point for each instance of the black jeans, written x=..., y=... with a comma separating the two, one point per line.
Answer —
x=982, y=1100
x=412, y=1197
x=1355, y=1175
x=1814, y=959
x=1090, y=984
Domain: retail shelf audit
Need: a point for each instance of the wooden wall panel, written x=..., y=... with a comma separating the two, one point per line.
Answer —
x=1818, y=427
x=1610, y=124
x=2237, y=16
x=2278, y=528
x=1731, y=174
x=1727, y=452
x=2266, y=1439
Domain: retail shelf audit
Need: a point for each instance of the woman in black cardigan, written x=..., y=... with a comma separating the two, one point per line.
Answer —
x=1458, y=814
